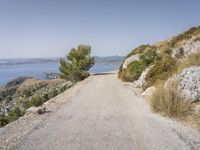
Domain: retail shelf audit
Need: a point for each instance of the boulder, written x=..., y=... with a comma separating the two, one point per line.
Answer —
x=35, y=110
x=178, y=53
x=191, y=47
x=187, y=49
x=141, y=82
x=130, y=59
x=188, y=83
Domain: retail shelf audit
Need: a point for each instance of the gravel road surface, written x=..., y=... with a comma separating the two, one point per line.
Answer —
x=105, y=114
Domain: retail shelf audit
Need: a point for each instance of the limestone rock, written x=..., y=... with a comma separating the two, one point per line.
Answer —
x=129, y=60
x=187, y=49
x=141, y=82
x=36, y=110
x=189, y=83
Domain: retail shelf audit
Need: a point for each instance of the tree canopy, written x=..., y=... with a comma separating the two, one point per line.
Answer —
x=77, y=65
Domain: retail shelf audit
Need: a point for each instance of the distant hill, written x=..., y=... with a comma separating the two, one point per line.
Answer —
x=19, y=61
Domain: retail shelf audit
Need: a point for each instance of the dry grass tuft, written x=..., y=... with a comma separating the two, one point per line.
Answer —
x=169, y=102
x=192, y=60
x=196, y=119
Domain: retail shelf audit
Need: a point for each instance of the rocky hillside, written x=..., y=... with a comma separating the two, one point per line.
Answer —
x=24, y=92
x=160, y=65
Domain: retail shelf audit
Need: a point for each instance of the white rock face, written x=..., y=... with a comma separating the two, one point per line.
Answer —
x=129, y=60
x=141, y=81
x=187, y=49
x=189, y=85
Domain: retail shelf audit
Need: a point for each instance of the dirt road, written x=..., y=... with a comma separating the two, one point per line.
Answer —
x=104, y=114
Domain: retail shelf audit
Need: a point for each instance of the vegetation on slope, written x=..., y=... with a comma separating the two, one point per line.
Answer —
x=161, y=70
x=159, y=56
x=31, y=92
x=166, y=101
x=184, y=36
x=24, y=93
x=135, y=68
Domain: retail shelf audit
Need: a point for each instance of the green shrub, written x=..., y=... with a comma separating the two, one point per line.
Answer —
x=63, y=88
x=135, y=68
x=52, y=94
x=26, y=103
x=133, y=71
x=7, y=92
x=168, y=101
x=161, y=70
x=149, y=56
x=45, y=97
x=15, y=114
x=36, y=101
x=167, y=51
x=3, y=120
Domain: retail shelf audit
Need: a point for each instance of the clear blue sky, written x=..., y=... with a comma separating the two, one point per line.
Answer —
x=49, y=28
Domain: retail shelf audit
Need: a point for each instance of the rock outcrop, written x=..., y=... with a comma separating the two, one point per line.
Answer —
x=130, y=59
x=141, y=82
x=35, y=110
x=189, y=83
x=187, y=49
x=189, y=80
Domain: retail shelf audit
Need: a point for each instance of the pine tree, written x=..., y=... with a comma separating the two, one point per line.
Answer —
x=77, y=65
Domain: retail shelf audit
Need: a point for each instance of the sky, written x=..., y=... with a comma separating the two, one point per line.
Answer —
x=50, y=28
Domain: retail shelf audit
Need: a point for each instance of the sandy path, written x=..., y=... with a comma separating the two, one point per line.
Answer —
x=104, y=114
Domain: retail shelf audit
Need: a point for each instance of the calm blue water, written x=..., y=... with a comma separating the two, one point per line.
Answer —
x=10, y=72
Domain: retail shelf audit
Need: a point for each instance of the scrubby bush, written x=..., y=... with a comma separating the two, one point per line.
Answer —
x=45, y=97
x=64, y=88
x=52, y=93
x=185, y=36
x=3, y=120
x=133, y=71
x=15, y=114
x=168, y=101
x=135, y=68
x=36, y=101
x=149, y=56
x=191, y=60
x=79, y=61
x=161, y=70
x=138, y=50
x=167, y=51
x=7, y=92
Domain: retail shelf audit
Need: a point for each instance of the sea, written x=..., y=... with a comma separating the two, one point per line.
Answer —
x=35, y=67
